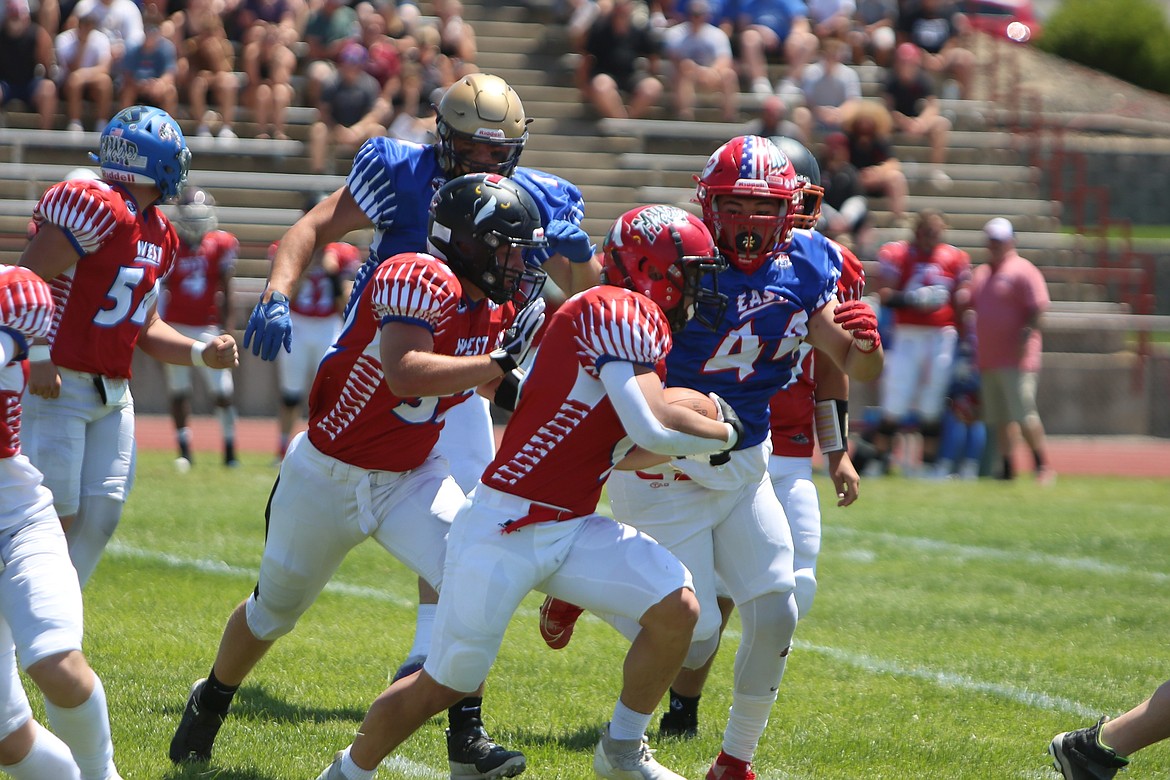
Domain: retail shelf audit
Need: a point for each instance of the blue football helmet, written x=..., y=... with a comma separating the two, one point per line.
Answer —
x=144, y=145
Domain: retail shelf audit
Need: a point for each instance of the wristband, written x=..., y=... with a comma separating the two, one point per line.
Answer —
x=39, y=353
x=832, y=424
x=197, y=348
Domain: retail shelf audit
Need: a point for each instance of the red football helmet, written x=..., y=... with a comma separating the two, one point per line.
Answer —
x=749, y=166
x=663, y=252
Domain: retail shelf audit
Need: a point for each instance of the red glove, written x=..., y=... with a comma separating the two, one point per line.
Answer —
x=861, y=322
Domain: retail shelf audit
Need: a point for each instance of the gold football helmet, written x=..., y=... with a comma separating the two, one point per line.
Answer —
x=481, y=108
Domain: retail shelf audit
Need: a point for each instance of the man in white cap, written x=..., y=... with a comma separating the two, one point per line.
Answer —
x=1008, y=297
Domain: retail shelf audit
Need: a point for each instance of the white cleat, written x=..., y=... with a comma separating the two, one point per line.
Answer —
x=628, y=759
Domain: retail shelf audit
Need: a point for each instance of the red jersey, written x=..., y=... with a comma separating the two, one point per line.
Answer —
x=565, y=437
x=26, y=312
x=353, y=416
x=197, y=279
x=103, y=299
x=791, y=409
x=315, y=295
x=908, y=269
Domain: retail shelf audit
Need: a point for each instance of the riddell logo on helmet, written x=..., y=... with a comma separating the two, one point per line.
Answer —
x=491, y=133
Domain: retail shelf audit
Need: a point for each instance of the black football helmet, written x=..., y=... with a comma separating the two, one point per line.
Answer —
x=476, y=223
x=808, y=173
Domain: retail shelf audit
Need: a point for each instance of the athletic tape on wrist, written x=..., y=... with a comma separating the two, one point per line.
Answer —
x=39, y=353
x=831, y=419
x=197, y=353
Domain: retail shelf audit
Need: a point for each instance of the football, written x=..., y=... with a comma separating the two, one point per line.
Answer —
x=692, y=399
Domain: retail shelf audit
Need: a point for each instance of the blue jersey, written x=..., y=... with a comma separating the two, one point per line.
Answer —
x=393, y=181
x=757, y=347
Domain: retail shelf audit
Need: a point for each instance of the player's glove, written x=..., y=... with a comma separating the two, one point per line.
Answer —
x=269, y=327
x=565, y=238
x=726, y=415
x=516, y=341
x=858, y=318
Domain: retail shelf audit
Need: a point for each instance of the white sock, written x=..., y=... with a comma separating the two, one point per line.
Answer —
x=86, y=730
x=49, y=757
x=424, y=621
x=628, y=724
x=746, y=724
x=354, y=772
x=227, y=421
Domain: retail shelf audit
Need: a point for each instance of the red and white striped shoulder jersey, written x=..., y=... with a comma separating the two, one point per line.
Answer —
x=191, y=289
x=353, y=416
x=26, y=312
x=565, y=437
x=315, y=295
x=104, y=298
x=791, y=409
x=909, y=269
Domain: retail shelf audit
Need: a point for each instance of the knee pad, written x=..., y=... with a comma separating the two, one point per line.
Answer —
x=97, y=519
x=888, y=428
x=930, y=428
x=806, y=589
x=275, y=612
x=290, y=400
x=769, y=621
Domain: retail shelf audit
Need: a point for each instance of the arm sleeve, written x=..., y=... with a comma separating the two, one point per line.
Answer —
x=646, y=430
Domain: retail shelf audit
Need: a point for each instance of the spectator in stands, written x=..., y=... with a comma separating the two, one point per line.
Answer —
x=253, y=18
x=120, y=20
x=432, y=70
x=149, y=71
x=269, y=64
x=701, y=54
x=196, y=302
x=329, y=28
x=84, y=64
x=773, y=121
x=831, y=91
x=351, y=110
x=209, y=67
x=401, y=20
x=868, y=129
x=610, y=72
x=923, y=282
x=26, y=60
x=385, y=59
x=831, y=18
x=872, y=34
x=844, y=207
x=909, y=95
x=1008, y=297
x=771, y=27
x=937, y=28
x=456, y=36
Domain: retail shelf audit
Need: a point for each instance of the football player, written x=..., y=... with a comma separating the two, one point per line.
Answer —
x=920, y=280
x=314, y=310
x=40, y=599
x=724, y=521
x=422, y=331
x=103, y=246
x=593, y=392
x=196, y=301
x=482, y=129
x=816, y=400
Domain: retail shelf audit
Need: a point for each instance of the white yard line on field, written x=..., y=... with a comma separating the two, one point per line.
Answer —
x=934, y=546
x=942, y=678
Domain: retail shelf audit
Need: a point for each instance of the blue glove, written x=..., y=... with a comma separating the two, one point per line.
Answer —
x=269, y=327
x=565, y=238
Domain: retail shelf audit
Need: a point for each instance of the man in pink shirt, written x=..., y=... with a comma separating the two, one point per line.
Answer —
x=1008, y=297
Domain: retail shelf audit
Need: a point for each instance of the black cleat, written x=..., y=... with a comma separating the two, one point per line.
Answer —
x=474, y=756
x=675, y=724
x=195, y=736
x=1077, y=755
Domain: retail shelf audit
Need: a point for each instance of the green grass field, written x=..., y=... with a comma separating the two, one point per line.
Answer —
x=958, y=626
